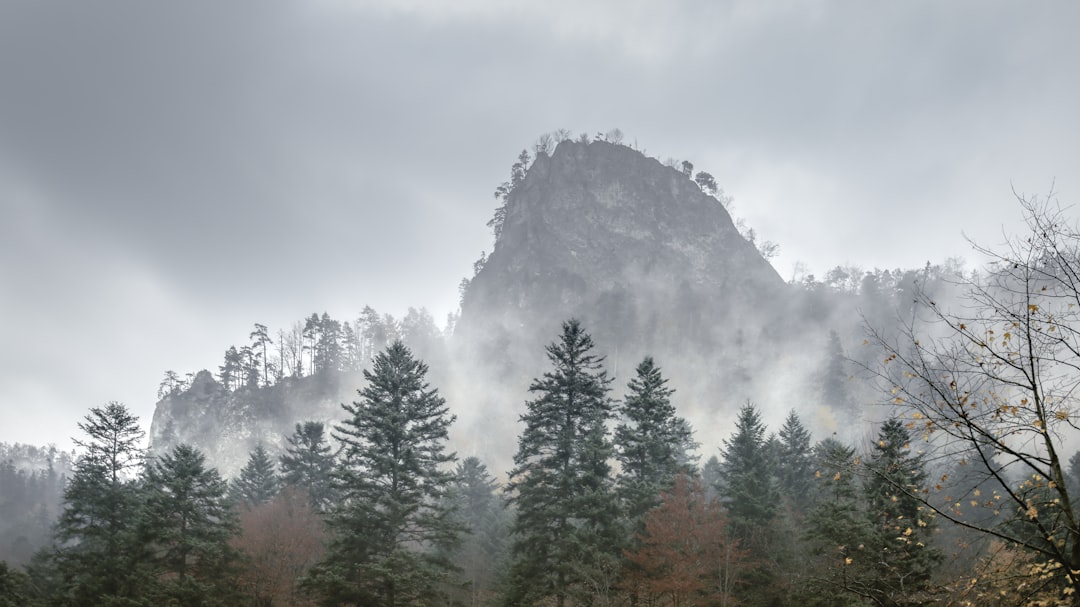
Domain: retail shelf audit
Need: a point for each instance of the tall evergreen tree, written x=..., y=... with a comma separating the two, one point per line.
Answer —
x=483, y=550
x=188, y=521
x=747, y=484
x=837, y=531
x=652, y=444
x=393, y=516
x=99, y=549
x=902, y=556
x=748, y=489
x=258, y=482
x=566, y=528
x=795, y=469
x=308, y=463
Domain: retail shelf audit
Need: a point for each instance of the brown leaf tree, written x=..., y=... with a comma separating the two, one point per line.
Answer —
x=280, y=540
x=686, y=557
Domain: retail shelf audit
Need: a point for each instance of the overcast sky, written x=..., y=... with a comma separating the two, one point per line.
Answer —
x=171, y=173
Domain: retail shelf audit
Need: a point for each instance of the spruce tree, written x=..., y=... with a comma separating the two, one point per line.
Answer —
x=393, y=520
x=566, y=529
x=652, y=443
x=258, y=482
x=749, y=490
x=747, y=484
x=795, y=465
x=308, y=463
x=188, y=521
x=837, y=531
x=483, y=550
x=98, y=547
x=901, y=528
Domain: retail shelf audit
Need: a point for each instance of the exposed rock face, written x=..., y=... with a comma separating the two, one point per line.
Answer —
x=634, y=248
x=650, y=263
x=226, y=426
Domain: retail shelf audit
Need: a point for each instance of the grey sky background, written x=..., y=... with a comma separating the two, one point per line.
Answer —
x=171, y=173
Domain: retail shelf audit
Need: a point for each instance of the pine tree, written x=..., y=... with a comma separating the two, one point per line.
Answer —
x=393, y=516
x=308, y=464
x=188, y=521
x=651, y=445
x=900, y=527
x=99, y=550
x=258, y=482
x=566, y=528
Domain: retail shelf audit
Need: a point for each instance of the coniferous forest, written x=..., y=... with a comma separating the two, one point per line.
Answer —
x=964, y=492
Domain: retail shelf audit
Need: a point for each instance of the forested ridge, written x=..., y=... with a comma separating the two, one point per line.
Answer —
x=952, y=478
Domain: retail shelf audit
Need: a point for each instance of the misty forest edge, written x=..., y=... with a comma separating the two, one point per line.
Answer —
x=956, y=489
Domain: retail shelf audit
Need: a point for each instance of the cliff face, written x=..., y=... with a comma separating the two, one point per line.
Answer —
x=226, y=426
x=632, y=247
x=650, y=264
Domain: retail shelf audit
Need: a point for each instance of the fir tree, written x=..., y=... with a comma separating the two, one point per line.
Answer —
x=483, y=549
x=308, y=464
x=747, y=485
x=900, y=527
x=837, y=531
x=95, y=531
x=393, y=516
x=795, y=466
x=566, y=528
x=651, y=445
x=188, y=521
x=258, y=482
x=749, y=490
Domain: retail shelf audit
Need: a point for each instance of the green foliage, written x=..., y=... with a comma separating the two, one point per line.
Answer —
x=483, y=551
x=188, y=522
x=393, y=517
x=652, y=444
x=795, y=468
x=749, y=491
x=308, y=464
x=837, y=530
x=14, y=587
x=899, y=544
x=101, y=553
x=258, y=482
x=747, y=485
x=566, y=532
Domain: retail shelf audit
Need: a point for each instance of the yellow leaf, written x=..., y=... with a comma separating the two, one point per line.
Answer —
x=837, y=477
x=848, y=561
